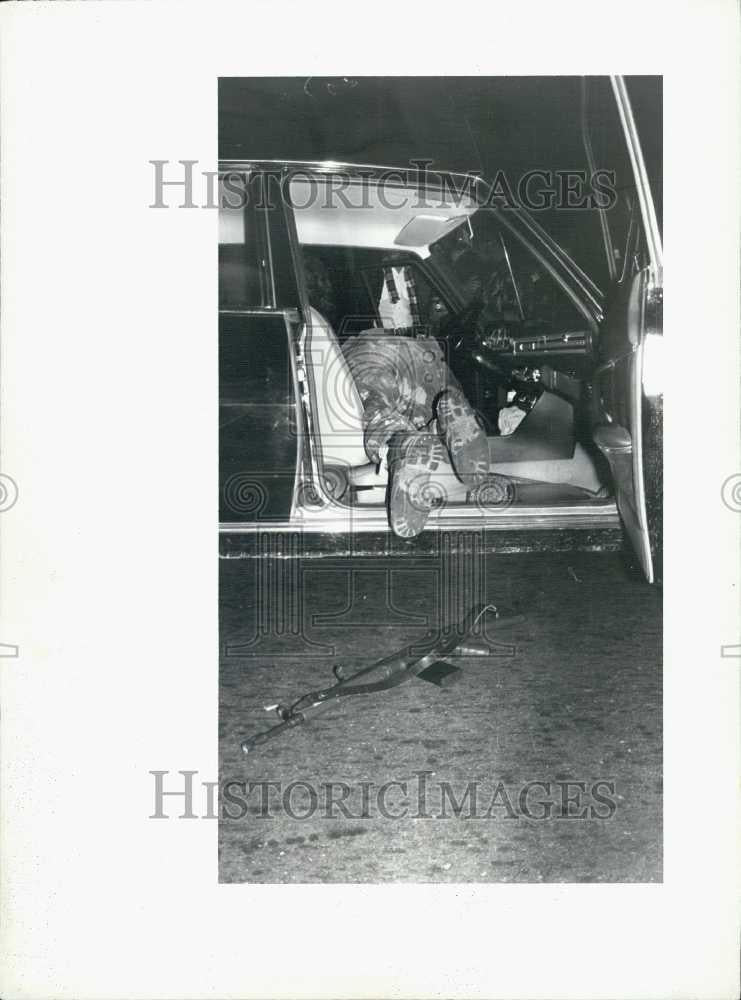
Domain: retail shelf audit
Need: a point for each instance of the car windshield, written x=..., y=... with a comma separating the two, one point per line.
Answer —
x=486, y=264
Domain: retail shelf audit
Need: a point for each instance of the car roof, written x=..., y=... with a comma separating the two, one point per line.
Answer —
x=372, y=206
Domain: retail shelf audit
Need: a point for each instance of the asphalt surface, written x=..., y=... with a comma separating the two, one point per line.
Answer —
x=570, y=701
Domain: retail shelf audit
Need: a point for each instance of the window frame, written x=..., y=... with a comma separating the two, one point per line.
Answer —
x=256, y=244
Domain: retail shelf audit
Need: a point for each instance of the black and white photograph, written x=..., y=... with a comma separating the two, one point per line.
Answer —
x=440, y=475
x=370, y=500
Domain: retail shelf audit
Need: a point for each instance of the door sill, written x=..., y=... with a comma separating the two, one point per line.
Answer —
x=336, y=519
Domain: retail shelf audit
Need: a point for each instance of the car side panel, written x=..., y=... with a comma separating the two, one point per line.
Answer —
x=258, y=443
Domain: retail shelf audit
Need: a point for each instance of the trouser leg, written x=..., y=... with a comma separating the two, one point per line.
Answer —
x=381, y=421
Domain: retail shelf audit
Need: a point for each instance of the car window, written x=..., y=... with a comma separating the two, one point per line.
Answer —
x=357, y=288
x=610, y=152
x=336, y=287
x=239, y=268
x=646, y=100
x=485, y=262
x=404, y=298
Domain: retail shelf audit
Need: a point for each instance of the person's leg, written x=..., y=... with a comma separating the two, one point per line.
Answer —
x=463, y=435
x=421, y=429
x=418, y=467
x=381, y=420
x=438, y=396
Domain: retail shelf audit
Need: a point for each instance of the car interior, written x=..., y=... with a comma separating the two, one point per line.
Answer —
x=516, y=343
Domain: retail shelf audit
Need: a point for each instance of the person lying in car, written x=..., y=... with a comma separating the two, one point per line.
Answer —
x=416, y=417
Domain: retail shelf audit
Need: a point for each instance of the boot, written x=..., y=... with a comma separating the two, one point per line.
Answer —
x=464, y=437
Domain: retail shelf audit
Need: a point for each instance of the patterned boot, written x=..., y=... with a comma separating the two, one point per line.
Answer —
x=464, y=437
x=412, y=460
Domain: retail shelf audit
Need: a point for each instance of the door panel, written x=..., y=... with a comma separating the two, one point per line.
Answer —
x=259, y=446
x=258, y=443
x=620, y=439
x=621, y=416
x=628, y=414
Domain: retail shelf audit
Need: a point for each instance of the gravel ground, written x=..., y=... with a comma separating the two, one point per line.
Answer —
x=572, y=699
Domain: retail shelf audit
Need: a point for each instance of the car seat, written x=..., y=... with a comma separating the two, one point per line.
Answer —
x=338, y=409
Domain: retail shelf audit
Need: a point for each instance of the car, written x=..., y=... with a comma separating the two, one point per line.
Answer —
x=564, y=375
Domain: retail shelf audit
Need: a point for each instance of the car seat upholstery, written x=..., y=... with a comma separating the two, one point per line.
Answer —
x=338, y=409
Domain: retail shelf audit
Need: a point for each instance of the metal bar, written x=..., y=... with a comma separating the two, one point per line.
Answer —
x=395, y=670
x=645, y=199
x=587, y=140
x=512, y=277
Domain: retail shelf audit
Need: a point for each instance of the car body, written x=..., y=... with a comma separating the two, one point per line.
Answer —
x=582, y=363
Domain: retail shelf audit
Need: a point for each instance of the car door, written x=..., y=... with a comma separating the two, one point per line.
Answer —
x=259, y=443
x=628, y=404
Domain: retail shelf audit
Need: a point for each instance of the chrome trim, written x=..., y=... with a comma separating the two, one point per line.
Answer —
x=306, y=385
x=589, y=286
x=643, y=188
x=361, y=171
x=340, y=520
x=307, y=390
x=251, y=311
x=480, y=188
x=587, y=142
x=636, y=405
x=584, y=284
x=614, y=362
x=297, y=401
x=512, y=278
x=273, y=303
x=525, y=232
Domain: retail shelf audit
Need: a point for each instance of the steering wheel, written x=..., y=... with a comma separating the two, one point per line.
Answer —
x=461, y=327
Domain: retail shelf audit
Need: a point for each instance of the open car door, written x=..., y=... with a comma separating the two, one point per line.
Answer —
x=628, y=403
